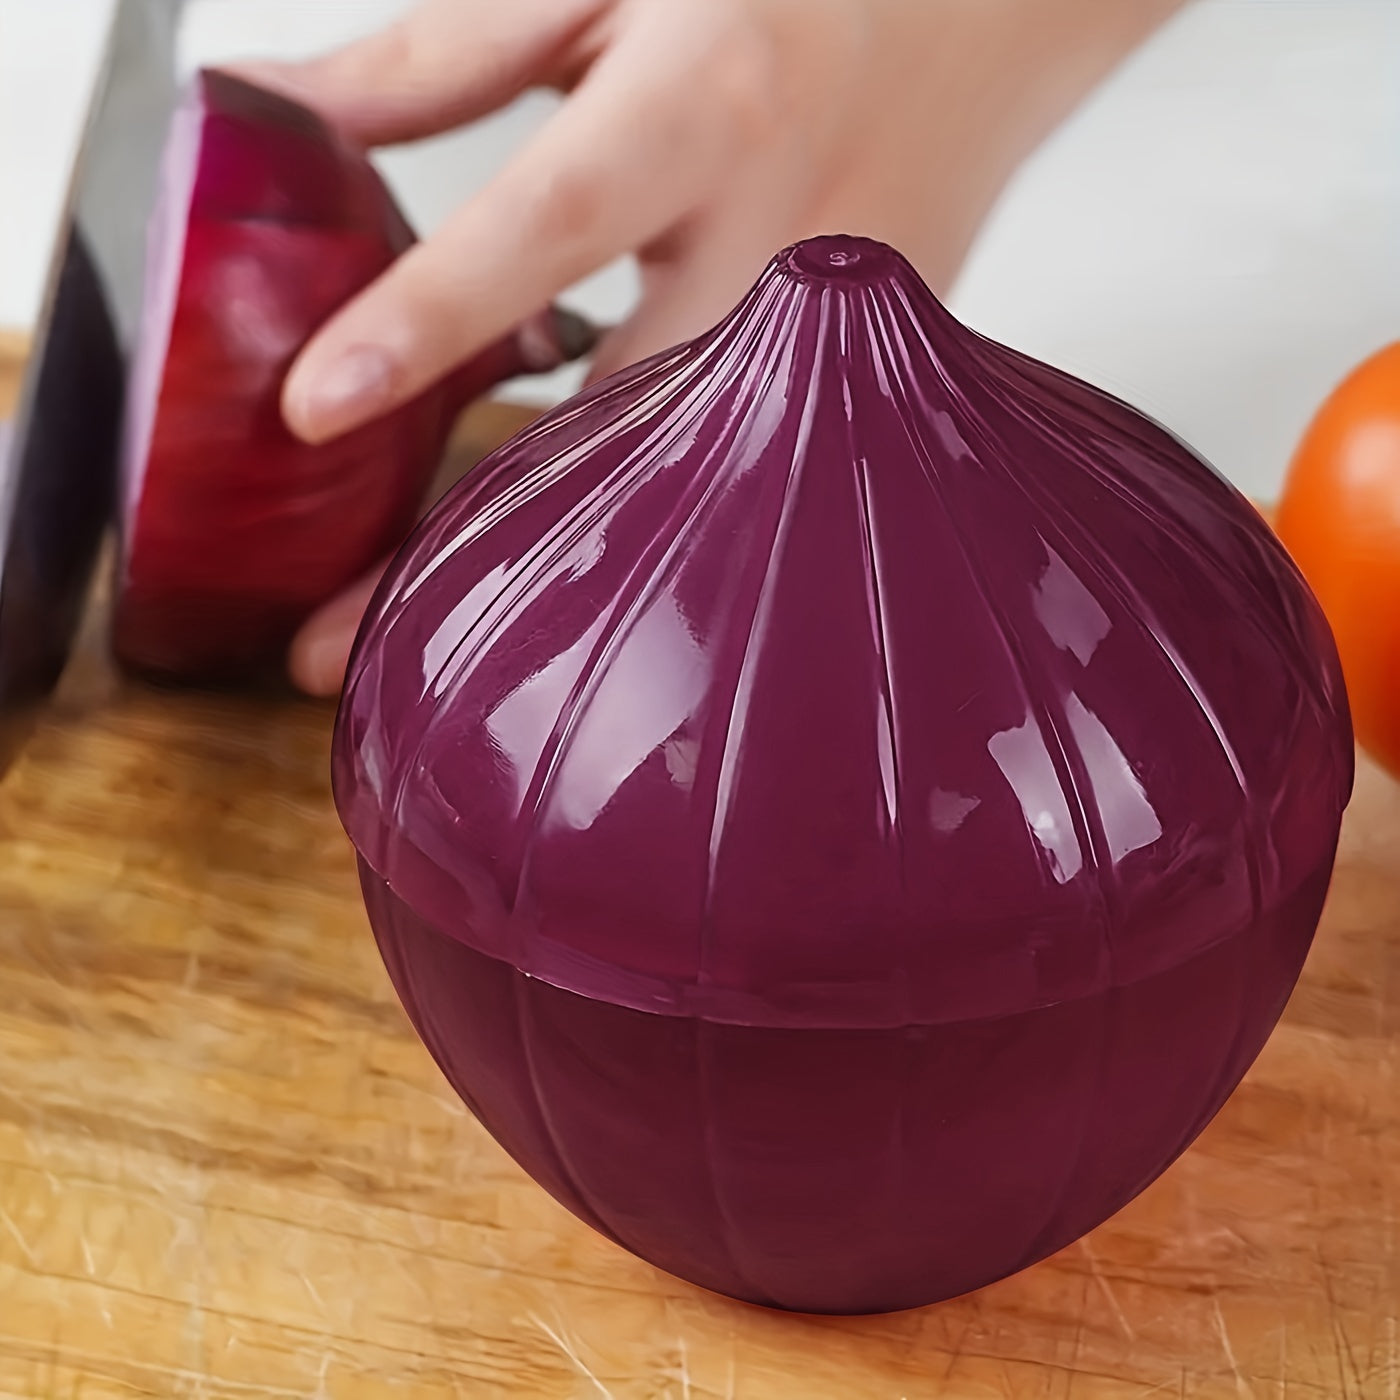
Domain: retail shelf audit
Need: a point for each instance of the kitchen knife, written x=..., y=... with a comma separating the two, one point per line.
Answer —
x=58, y=462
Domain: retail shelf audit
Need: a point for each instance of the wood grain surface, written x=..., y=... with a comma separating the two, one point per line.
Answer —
x=227, y=1168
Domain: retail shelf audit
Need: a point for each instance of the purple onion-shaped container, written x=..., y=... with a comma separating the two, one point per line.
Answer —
x=843, y=802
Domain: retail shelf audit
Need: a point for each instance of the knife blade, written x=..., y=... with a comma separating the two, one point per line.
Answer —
x=58, y=462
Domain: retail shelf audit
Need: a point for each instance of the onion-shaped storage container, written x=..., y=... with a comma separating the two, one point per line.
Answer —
x=843, y=802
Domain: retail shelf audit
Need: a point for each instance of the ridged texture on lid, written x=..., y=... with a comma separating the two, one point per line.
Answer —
x=843, y=668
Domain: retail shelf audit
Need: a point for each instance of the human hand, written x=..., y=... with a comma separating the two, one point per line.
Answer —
x=700, y=135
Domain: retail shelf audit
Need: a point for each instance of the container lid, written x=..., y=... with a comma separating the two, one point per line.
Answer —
x=59, y=458
x=843, y=668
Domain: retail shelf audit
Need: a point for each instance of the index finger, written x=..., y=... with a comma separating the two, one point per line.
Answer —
x=621, y=162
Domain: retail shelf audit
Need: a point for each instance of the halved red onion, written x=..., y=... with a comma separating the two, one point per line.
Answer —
x=233, y=530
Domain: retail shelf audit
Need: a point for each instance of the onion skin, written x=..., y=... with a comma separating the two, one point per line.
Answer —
x=235, y=530
x=844, y=803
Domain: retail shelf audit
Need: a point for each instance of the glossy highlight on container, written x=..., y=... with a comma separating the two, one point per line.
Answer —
x=844, y=803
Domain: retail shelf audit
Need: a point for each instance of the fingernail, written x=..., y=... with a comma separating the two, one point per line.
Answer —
x=349, y=391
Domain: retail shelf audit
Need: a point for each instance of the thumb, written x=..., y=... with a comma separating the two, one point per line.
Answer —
x=320, y=651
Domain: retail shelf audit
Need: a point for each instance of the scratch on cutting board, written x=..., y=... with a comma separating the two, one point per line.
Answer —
x=7, y=1220
x=1341, y=1341
x=1157, y=1389
x=684, y=1368
x=1102, y=1280
x=90, y=1264
x=1241, y=1385
x=1071, y=1370
x=956, y=1350
x=571, y=1351
x=321, y=1393
x=1392, y=1363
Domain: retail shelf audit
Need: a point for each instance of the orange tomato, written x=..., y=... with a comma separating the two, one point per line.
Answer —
x=1339, y=518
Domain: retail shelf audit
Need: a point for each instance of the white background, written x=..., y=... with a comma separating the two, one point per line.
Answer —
x=1215, y=236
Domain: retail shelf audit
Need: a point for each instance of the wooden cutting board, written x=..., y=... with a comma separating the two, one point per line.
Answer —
x=227, y=1168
